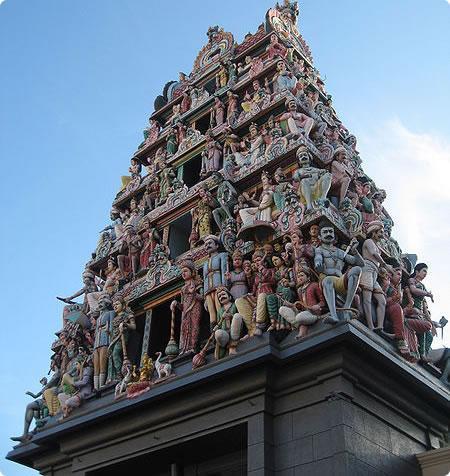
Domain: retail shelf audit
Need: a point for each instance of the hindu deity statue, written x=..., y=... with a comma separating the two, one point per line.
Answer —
x=284, y=80
x=211, y=156
x=310, y=305
x=202, y=216
x=190, y=307
x=371, y=289
x=123, y=323
x=314, y=183
x=229, y=323
x=419, y=293
x=329, y=262
x=103, y=329
x=130, y=251
x=214, y=270
x=275, y=48
x=297, y=122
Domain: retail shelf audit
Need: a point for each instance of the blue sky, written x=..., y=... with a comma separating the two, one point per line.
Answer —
x=77, y=84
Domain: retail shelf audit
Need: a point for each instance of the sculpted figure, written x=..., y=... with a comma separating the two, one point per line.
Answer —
x=284, y=277
x=262, y=212
x=39, y=404
x=284, y=80
x=151, y=238
x=211, y=156
x=186, y=101
x=217, y=114
x=202, y=216
x=371, y=290
x=167, y=176
x=123, y=323
x=256, y=145
x=303, y=253
x=89, y=290
x=329, y=261
x=135, y=168
x=314, y=239
x=232, y=73
x=112, y=276
x=221, y=76
x=228, y=329
x=132, y=244
x=214, y=270
x=342, y=173
x=282, y=188
x=103, y=329
x=232, y=108
x=419, y=293
x=172, y=142
x=115, y=229
x=264, y=291
x=244, y=67
x=309, y=307
x=390, y=283
x=227, y=198
x=314, y=183
x=82, y=384
x=275, y=48
x=238, y=281
x=151, y=193
x=297, y=122
x=256, y=66
x=191, y=308
x=151, y=133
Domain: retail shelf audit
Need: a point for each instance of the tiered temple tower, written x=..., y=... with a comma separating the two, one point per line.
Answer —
x=246, y=311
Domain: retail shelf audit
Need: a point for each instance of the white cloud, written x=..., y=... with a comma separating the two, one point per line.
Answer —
x=2, y=1
x=414, y=169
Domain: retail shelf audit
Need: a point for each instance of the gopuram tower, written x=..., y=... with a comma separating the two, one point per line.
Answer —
x=246, y=310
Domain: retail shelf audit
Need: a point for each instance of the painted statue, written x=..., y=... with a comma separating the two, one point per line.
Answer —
x=103, y=329
x=191, y=308
x=310, y=305
x=123, y=323
x=214, y=270
x=329, y=262
x=297, y=122
x=314, y=183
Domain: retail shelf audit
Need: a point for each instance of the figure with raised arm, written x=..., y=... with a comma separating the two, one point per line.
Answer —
x=330, y=261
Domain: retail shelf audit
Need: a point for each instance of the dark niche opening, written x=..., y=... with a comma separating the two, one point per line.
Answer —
x=179, y=232
x=202, y=124
x=159, y=328
x=191, y=170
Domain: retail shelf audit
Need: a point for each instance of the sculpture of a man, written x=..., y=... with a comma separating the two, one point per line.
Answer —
x=214, y=270
x=211, y=156
x=39, y=404
x=284, y=80
x=329, y=261
x=371, y=290
x=314, y=183
x=89, y=290
x=310, y=306
x=297, y=122
x=129, y=262
x=103, y=330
